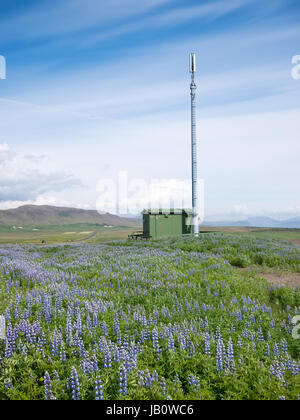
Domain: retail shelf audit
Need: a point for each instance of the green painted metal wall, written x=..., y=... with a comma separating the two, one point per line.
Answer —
x=162, y=224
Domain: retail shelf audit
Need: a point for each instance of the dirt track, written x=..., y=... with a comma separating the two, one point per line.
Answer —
x=288, y=279
x=87, y=238
x=291, y=280
x=295, y=242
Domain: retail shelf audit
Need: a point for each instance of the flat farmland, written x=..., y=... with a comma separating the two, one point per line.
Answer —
x=63, y=234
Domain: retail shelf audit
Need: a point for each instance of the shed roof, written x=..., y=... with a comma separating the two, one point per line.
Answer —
x=167, y=211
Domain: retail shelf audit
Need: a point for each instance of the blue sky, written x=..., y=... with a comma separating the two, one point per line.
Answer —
x=94, y=87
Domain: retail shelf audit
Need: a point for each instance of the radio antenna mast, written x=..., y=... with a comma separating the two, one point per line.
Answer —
x=195, y=224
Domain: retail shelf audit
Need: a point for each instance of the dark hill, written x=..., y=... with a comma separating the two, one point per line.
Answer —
x=50, y=215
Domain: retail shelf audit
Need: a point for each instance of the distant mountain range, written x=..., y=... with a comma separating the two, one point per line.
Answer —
x=267, y=222
x=49, y=215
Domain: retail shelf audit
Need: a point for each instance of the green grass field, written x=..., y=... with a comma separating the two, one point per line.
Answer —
x=180, y=318
x=93, y=233
x=265, y=233
x=63, y=234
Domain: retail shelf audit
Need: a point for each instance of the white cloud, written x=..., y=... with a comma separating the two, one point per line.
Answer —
x=5, y=153
x=25, y=178
x=240, y=209
x=44, y=200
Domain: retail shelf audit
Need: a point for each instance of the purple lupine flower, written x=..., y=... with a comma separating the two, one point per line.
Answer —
x=284, y=346
x=191, y=349
x=140, y=377
x=75, y=385
x=123, y=381
x=171, y=344
x=276, y=350
x=194, y=381
x=177, y=382
x=48, y=395
x=239, y=343
x=155, y=376
x=94, y=362
x=155, y=342
x=220, y=355
x=62, y=354
x=277, y=371
x=267, y=350
x=207, y=349
x=148, y=380
x=163, y=386
x=230, y=357
x=56, y=376
x=218, y=334
x=98, y=390
x=261, y=337
x=7, y=384
x=107, y=358
x=295, y=368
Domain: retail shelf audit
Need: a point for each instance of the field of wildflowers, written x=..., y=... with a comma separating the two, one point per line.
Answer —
x=173, y=319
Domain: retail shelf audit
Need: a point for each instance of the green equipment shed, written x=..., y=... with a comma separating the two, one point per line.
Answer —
x=164, y=223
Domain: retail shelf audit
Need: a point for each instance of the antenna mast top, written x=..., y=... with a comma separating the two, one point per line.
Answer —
x=192, y=63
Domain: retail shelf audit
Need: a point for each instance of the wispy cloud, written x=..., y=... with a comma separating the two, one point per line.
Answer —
x=180, y=15
x=63, y=16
